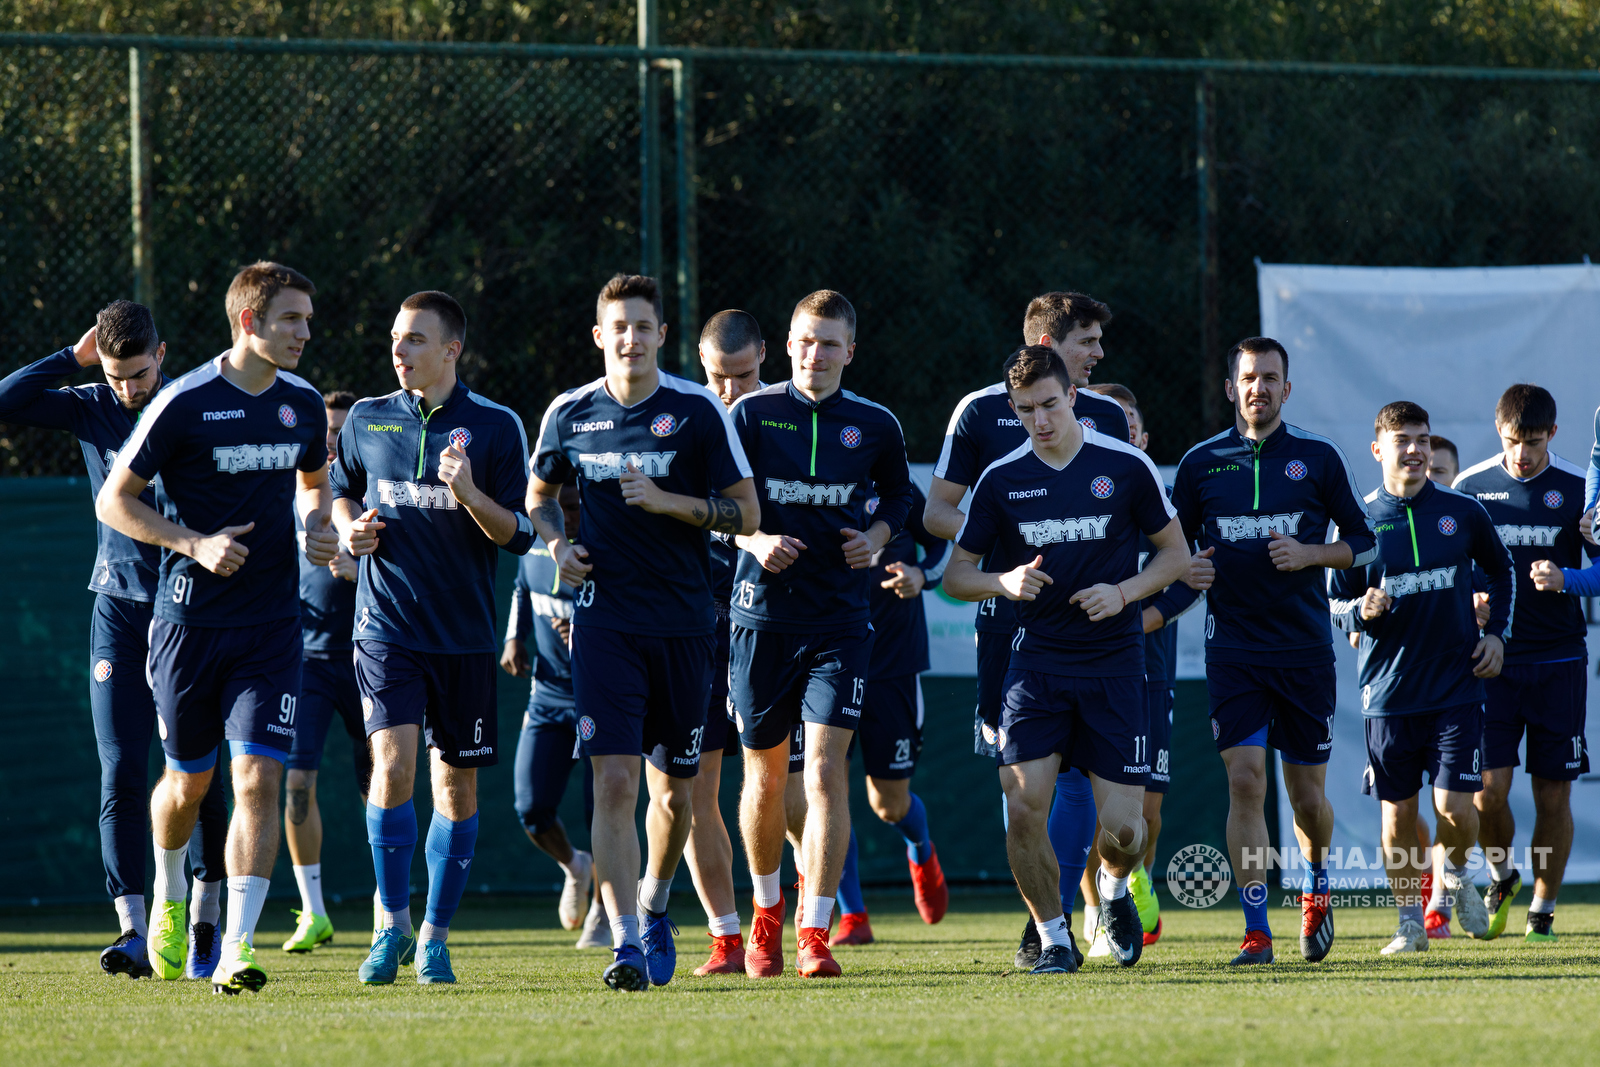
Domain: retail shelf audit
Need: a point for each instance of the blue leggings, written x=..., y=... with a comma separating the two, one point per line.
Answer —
x=124, y=725
x=544, y=762
x=1072, y=827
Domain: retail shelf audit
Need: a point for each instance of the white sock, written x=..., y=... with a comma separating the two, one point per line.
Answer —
x=1500, y=872
x=206, y=902
x=430, y=932
x=767, y=892
x=654, y=893
x=246, y=894
x=724, y=925
x=1541, y=906
x=816, y=912
x=130, y=913
x=309, y=879
x=401, y=918
x=1111, y=888
x=625, y=931
x=571, y=869
x=170, y=882
x=1054, y=932
x=1091, y=919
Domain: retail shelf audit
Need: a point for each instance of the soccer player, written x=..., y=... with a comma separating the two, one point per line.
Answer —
x=1263, y=494
x=731, y=354
x=426, y=506
x=1444, y=466
x=124, y=345
x=1074, y=689
x=1423, y=662
x=1159, y=621
x=234, y=442
x=891, y=718
x=1536, y=500
x=659, y=466
x=982, y=429
x=327, y=689
x=801, y=639
x=541, y=607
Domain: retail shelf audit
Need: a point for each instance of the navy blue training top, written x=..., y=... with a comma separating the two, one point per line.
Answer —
x=1538, y=520
x=1231, y=493
x=123, y=567
x=538, y=596
x=982, y=429
x=327, y=604
x=1417, y=656
x=1085, y=520
x=430, y=585
x=1161, y=646
x=816, y=465
x=227, y=458
x=900, y=627
x=652, y=573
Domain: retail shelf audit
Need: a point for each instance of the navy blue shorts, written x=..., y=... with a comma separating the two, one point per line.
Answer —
x=891, y=726
x=642, y=695
x=1161, y=701
x=720, y=735
x=547, y=751
x=1289, y=708
x=119, y=692
x=1548, y=702
x=452, y=697
x=778, y=680
x=239, y=684
x=1099, y=725
x=327, y=690
x=994, y=659
x=1446, y=745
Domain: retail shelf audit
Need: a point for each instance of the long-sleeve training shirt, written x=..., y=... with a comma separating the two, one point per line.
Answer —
x=1161, y=646
x=538, y=596
x=1416, y=657
x=327, y=604
x=900, y=627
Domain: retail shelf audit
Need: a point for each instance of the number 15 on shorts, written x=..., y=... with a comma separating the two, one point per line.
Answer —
x=858, y=691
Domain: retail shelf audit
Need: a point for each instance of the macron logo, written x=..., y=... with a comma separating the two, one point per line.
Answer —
x=589, y=427
x=231, y=459
x=414, y=495
x=599, y=466
x=1399, y=585
x=1257, y=527
x=1514, y=536
x=1055, y=531
x=797, y=492
x=1008, y=422
x=1027, y=494
x=217, y=416
x=1492, y=496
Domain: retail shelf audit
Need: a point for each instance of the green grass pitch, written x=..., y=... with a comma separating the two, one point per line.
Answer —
x=921, y=995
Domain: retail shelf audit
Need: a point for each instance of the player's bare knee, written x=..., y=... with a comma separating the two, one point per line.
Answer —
x=1246, y=781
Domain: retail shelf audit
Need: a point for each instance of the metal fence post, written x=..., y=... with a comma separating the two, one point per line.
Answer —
x=649, y=147
x=688, y=238
x=1205, y=99
x=139, y=180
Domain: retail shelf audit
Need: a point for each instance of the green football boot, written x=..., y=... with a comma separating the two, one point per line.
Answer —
x=169, y=939
x=1497, y=902
x=238, y=971
x=312, y=930
x=1144, y=898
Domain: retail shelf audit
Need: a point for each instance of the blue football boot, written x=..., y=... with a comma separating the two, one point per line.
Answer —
x=433, y=964
x=660, y=951
x=129, y=955
x=205, y=950
x=627, y=970
x=388, y=952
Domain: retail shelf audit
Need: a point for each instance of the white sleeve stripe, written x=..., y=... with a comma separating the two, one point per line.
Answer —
x=201, y=375
x=560, y=402
x=1349, y=472
x=1017, y=453
x=967, y=401
x=1477, y=468
x=515, y=418
x=1095, y=437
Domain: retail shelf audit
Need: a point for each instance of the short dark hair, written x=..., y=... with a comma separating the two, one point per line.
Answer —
x=731, y=331
x=1444, y=444
x=1120, y=393
x=1526, y=408
x=626, y=286
x=255, y=286
x=339, y=400
x=124, y=330
x=1054, y=314
x=1256, y=346
x=827, y=304
x=1400, y=413
x=451, y=317
x=1032, y=363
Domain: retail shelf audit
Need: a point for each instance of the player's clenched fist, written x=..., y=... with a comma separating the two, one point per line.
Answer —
x=1290, y=555
x=1490, y=654
x=1026, y=582
x=514, y=657
x=1101, y=601
x=907, y=582
x=773, y=551
x=1480, y=609
x=455, y=470
x=1374, y=603
x=570, y=558
x=1547, y=577
x=1202, y=572
x=640, y=491
x=364, y=533
x=221, y=553
x=858, y=548
x=322, y=540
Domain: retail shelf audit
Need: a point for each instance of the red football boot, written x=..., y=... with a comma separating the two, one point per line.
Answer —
x=854, y=929
x=1152, y=936
x=1437, y=924
x=763, y=956
x=727, y=956
x=815, y=961
x=928, y=888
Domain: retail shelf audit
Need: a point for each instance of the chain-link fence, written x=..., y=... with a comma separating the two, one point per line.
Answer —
x=938, y=192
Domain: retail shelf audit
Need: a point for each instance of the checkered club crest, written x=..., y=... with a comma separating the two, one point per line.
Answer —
x=1199, y=876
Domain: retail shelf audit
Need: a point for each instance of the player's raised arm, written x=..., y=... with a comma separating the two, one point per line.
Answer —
x=27, y=399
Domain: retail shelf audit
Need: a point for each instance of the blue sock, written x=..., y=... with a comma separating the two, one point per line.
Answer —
x=449, y=850
x=914, y=828
x=1071, y=827
x=1255, y=915
x=1319, y=877
x=849, y=893
x=392, y=832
